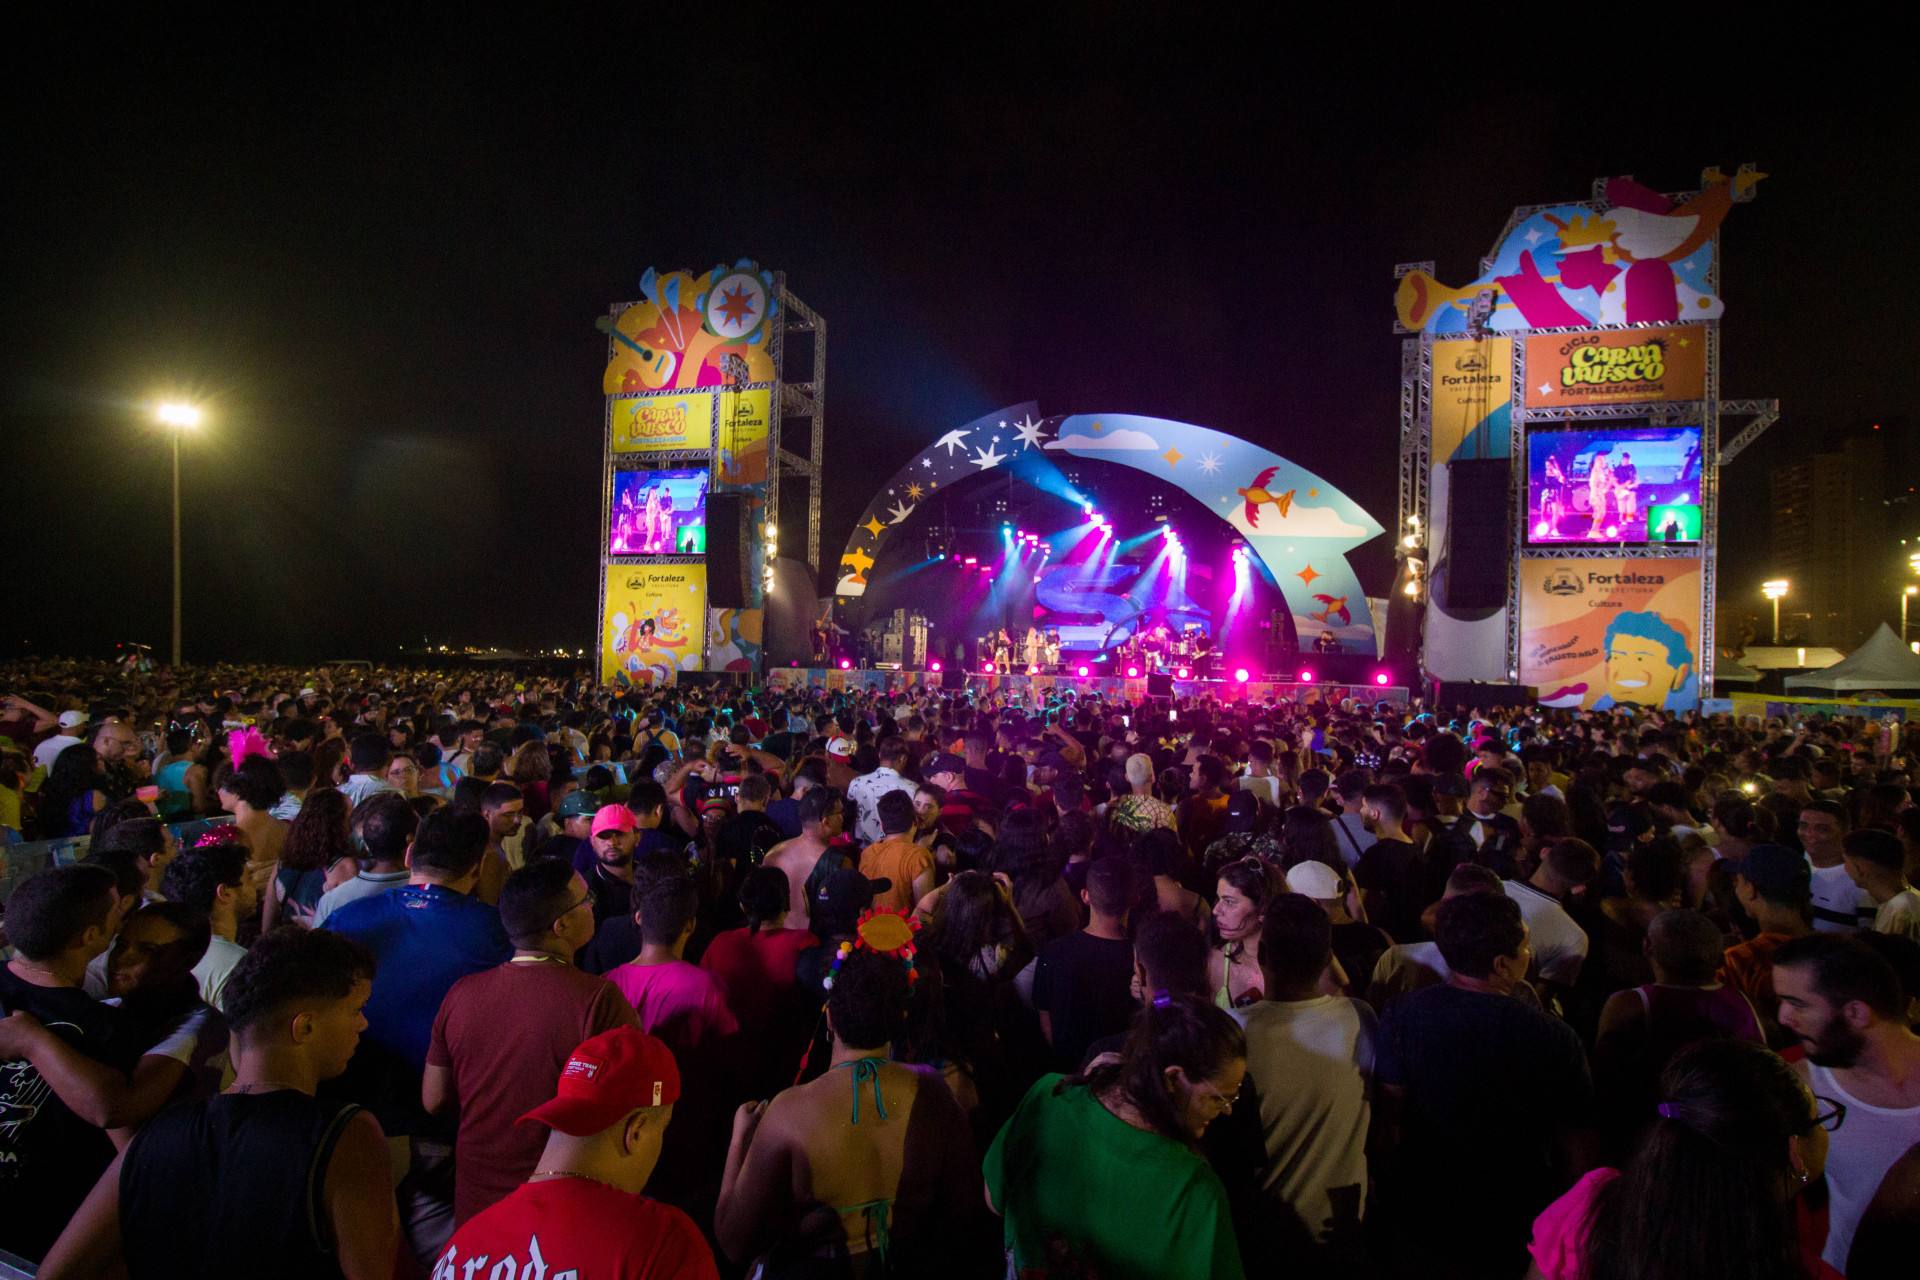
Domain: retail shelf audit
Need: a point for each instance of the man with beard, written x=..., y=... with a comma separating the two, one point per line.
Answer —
x=1845, y=1004
x=610, y=878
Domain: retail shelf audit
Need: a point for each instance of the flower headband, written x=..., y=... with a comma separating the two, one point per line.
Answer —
x=882, y=931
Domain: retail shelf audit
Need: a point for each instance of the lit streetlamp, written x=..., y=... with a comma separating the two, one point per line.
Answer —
x=176, y=418
x=1773, y=591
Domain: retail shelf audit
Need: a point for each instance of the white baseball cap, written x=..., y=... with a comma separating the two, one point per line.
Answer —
x=840, y=747
x=1315, y=880
x=72, y=719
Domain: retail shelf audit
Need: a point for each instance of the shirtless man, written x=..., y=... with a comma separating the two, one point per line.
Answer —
x=820, y=822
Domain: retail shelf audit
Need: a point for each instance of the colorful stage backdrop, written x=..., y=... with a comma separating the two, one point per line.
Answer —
x=1601, y=633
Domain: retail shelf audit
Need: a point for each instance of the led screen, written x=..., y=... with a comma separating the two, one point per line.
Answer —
x=658, y=513
x=1603, y=485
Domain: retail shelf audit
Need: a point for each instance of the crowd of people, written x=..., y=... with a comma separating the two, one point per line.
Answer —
x=475, y=976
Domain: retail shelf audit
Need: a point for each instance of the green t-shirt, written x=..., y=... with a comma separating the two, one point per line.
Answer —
x=1086, y=1193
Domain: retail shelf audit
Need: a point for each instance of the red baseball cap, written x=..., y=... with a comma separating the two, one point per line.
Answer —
x=613, y=817
x=607, y=1077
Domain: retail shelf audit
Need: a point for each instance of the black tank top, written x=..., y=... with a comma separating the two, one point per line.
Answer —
x=232, y=1187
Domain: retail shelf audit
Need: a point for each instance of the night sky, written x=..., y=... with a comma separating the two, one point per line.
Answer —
x=376, y=255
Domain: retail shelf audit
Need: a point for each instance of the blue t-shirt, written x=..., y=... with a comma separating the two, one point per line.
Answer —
x=425, y=939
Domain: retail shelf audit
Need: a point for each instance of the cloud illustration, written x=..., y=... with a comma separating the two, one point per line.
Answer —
x=1122, y=439
x=1299, y=522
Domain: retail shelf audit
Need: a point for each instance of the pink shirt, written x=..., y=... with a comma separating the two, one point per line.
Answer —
x=681, y=1003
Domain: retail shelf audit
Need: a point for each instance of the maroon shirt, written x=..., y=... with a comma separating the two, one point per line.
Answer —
x=503, y=1034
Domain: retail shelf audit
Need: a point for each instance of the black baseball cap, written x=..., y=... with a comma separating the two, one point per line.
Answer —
x=1775, y=868
x=845, y=893
x=943, y=762
x=1242, y=811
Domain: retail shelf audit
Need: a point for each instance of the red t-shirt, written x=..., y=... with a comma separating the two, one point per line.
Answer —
x=758, y=968
x=503, y=1034
x=582, y=1228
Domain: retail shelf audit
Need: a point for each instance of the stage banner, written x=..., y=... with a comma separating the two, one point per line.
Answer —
x=693, y=331
x=1606, y=633
x=660, y=423
x=651, y=622
x=832, y=680
x=1472, y=399
x=744, y=418
x=1630, y=366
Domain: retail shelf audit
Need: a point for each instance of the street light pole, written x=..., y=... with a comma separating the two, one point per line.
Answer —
x=176, y=549
x=1773, y=591
x=1905, y=596
x=177, y=418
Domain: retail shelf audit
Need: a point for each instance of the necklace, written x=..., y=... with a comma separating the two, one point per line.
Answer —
x=263, y=1086
x=566, y=1173
x=539, y=959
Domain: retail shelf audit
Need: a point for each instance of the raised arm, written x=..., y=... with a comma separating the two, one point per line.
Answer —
x=94, y=1091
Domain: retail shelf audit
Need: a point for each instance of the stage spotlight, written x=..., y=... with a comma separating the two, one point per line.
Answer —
x=1183, y=673
x=1381, y=677
x=1306, y=676
x=933, y=666
x=1083, y=670
x=1032, y=669
x=845, y=665
x=987, y=667
x=1133, y=673
x=1241, y=674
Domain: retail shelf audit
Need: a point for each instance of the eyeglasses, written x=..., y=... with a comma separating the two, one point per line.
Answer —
x=1225, y=1103
x=569, y=911
x=1828, y=1114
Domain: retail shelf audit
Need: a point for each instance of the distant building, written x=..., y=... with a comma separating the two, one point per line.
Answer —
x=1833, y=539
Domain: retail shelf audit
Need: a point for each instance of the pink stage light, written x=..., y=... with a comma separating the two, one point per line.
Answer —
x=1183, y=673
x=1083, y=669
x=987, y=667
x=933, y=666
x=845, y=665
x=1241, y=675
x=1133, y=672
x=1306, y=676
x=1381, y=677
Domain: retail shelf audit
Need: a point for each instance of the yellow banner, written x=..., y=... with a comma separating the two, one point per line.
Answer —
x=1604, y=633
x=652, y=623
x=662, y=421
x=744, y=420
x=1472, y=381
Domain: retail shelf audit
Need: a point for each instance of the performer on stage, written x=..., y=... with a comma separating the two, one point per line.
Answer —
x=1002, y=650
x=1052, y=650
x=1599, y=492
x=1553, y=497
x=1035, y=646
x=1626, y=488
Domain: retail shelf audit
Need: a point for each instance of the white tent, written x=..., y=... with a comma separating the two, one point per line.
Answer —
x=1881, y=663
x=1733, y=671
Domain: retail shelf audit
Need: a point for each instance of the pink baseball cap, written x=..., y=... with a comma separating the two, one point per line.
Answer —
x=613, y=817
x=607, y=1077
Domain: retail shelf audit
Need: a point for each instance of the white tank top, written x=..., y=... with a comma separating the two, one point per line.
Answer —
x=1864, y=1147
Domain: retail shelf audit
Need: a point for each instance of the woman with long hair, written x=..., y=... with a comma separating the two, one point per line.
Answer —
x=1033, y=869
x=317, y=856
x=74, y=791
x=330, y=768
x=531, y=769
x=1241, y=895
x=1101, y=1173
x=982, y=1035
x=1712, y=1192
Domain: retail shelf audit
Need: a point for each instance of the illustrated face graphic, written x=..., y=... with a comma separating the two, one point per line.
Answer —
x=1638, y=670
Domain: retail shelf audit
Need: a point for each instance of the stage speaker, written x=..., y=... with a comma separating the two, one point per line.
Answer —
x=726, y=551
x=1468, y=695
x=1159, y=684
x=1479, y=532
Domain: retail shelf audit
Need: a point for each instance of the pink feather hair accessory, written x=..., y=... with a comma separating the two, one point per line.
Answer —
x=248, y=742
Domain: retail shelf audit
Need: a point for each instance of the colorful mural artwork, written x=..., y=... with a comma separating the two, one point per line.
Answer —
x=693, y=331
x=1606, y=633
x=1639, y=260
x=651, y=622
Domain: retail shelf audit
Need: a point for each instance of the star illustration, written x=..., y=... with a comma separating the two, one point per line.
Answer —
x=1534, y=236
x=1685, y=342
x=873, y=526
x=1172, y=456
x=1313, y=493
x=913, y=491
x=899, y=511
x=1209, y=463
x=736, y=306
x=949, y=440
x=1546, y=388
x=926, y=462
x=989, y=457
x=1307, y=575
x=1029, y=433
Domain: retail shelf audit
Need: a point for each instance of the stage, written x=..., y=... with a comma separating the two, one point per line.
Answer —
x=1317, y=693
